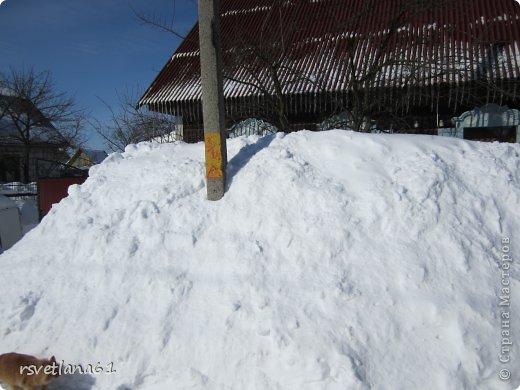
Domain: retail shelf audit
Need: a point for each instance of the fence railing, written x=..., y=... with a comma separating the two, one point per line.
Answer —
x=19, y=191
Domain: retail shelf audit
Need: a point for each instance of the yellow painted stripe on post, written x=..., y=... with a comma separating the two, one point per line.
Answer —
x=213, y=156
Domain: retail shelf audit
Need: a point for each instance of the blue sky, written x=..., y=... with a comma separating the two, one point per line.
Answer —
x=93, y=48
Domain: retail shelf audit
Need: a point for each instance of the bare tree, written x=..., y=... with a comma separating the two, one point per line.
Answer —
x=385, y=59
x=129, y=125
x=260, y=60
x=371, y=59
x=166, y=23
x=413, y=59
x=35, y=113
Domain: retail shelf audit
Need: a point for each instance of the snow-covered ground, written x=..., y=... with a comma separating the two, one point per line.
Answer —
x=336, y=260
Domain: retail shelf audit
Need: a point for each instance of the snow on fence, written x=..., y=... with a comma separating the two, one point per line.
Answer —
x=19, y=191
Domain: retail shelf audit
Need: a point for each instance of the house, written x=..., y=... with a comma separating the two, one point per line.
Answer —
x=85, y=158
x=20, y=162
x=446, y=68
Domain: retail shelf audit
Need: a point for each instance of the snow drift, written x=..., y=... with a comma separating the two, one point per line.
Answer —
x=336, y=260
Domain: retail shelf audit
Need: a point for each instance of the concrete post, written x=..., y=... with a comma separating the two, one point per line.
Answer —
x=212, y=98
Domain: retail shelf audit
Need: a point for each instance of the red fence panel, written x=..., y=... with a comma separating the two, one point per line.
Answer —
x=53, y=189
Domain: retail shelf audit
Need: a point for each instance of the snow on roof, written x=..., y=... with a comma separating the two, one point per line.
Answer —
x=335, y=260
x=323, y=31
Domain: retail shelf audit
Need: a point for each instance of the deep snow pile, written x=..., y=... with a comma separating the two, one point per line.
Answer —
x=336, y=260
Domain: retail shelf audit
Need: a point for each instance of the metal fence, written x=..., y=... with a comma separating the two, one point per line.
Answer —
x=19, y=191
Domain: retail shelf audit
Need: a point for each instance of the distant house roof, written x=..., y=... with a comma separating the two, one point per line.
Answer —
x=479, y=38
x=96, y=156
x=85, y=158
